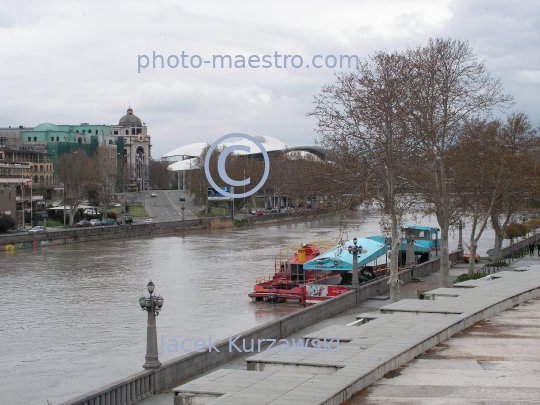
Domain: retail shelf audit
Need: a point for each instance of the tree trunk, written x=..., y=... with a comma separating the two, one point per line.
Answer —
x=472, y=259
x=498, y=247
x=472, y=249
x=498, y=237
x=72, y=216
x=394, y=281
x=445, y=260
x=499, y=230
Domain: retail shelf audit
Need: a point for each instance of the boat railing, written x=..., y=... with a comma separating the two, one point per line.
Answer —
x=281, y=267
x=264, y=279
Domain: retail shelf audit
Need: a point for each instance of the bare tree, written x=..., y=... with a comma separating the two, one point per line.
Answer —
x=105, y=160
x=478, y=152
x=360, y=119
x=76, y=171
x=499, y=155
x=238, y=167
x=132, y=198
x=518, y=144
x=306, y=183
x=447, y=86
x=198, y=183
x=160, y=177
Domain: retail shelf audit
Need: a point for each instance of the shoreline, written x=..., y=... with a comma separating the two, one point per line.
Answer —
x=25, y=240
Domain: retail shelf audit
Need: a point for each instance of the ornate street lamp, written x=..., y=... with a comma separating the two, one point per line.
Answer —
x=140, y=161
x=182, y=208
x=354, y=250
x=152, y=304
x=461, y=225
x=409, y=253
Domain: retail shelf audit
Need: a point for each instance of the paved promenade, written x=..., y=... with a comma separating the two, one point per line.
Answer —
x=496, y=361
x=387, y=340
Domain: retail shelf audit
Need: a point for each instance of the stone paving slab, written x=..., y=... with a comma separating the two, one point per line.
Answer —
x=485, y=292
x=383, y=344
x=477, y=366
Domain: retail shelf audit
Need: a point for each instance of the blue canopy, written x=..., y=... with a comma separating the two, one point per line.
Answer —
x=424, y=239
x=339, y=258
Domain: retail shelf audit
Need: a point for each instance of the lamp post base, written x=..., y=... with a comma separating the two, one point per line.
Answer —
x=152, y=363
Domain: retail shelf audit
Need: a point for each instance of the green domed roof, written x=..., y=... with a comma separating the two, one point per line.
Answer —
x=47, y=126
x=130, y=119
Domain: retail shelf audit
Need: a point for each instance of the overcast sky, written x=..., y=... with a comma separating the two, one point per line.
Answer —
x=68, y=62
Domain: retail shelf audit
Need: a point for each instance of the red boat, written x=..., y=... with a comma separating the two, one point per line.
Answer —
x=467, y=257
x=291, y=283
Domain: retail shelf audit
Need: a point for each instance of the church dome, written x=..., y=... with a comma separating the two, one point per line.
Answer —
x=47, y=126
x=130, y=119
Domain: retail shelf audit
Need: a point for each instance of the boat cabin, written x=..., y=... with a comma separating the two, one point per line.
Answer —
x=427, y=243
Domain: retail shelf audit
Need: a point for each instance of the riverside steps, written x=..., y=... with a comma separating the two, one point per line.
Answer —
x=378, y=343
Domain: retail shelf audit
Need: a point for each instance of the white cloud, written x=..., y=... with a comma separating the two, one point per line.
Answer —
x=73, y=62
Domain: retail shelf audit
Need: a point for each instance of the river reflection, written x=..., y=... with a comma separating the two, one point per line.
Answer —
x=71, y=321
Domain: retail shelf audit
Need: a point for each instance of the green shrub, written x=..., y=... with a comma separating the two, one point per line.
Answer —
x=499, y=264
x=515, y=230
x=465, y=277
x=534, y=223
x=6, y=223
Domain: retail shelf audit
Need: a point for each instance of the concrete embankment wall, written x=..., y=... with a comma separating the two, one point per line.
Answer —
x=89, y=234
x=173, y=372
x=75, y=235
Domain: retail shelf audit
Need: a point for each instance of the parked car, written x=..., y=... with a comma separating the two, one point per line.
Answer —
x=108, y=221
x=116, y=205
x=182, y=198
x=149, y=221
x=128, y=220
x=95, y=222
x=258, y=212
x=36, y=229
x=82, y=223
x=57, y=203
x=274, y=210
x=153, y=195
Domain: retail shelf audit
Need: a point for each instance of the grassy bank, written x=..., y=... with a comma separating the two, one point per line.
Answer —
x=136, y=211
